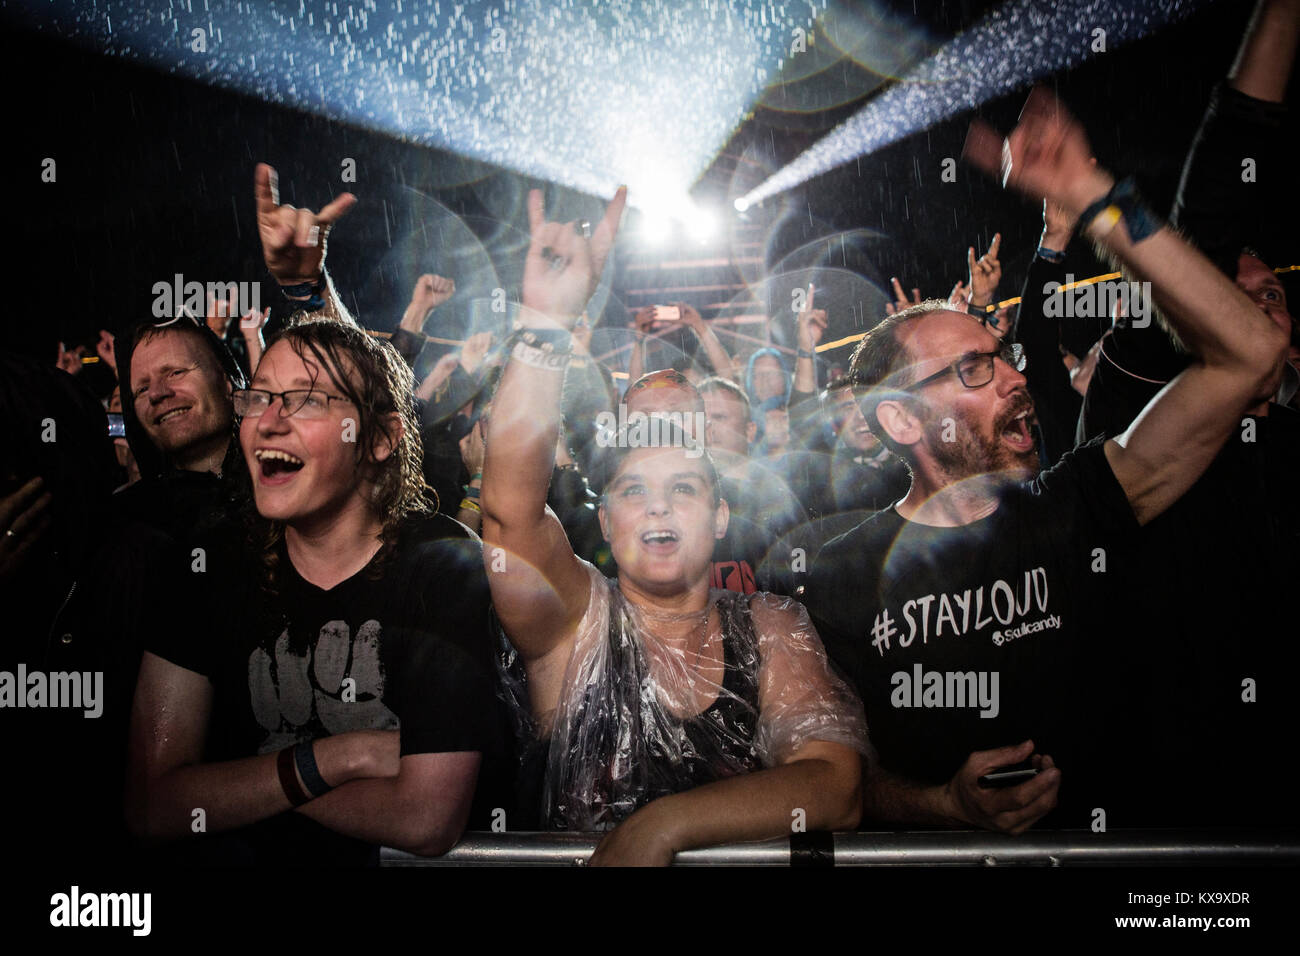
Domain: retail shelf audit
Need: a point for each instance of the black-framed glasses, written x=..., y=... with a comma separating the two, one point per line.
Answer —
x=976, y=369
x=306, y=403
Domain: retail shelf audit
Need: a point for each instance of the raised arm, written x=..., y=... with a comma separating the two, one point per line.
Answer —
x=1038, y=329
x=1263, y=66
x=1237, y=350
x=809, y=327
x=1218, y=206
x=293, y=244
x=430, y=292
x=250, y=327
x=983, y=276
x=717, y=354
x=642, y=321
x=539, y=587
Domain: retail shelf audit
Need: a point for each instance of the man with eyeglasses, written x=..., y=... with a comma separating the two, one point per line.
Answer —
x=972, y=614
x=178, y=377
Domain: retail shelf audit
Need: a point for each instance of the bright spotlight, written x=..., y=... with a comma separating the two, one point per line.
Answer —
x=655, y=229
x=741, y=204
x=702, y=225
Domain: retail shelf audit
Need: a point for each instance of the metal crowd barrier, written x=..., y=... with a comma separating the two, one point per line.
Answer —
x=930, y=848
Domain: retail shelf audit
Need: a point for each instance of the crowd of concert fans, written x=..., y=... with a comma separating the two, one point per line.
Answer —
x=971, y=580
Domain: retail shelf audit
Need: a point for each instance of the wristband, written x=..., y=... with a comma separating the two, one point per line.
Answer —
x=468, y=504
x=471, y=492
x=980, y=310
x=477, y=476
x=806, y=353
x=548, y=340
x=304, y=758
x=288, y=779
x=1121, y=202
x=537, y=358
x=419, y=337
x=1051, y=255
x=313, y=290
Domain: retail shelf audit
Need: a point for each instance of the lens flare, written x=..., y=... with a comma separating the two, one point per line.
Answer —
x=1014, y=45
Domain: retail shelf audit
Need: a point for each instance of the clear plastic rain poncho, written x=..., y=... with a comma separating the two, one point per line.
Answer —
x=635, y=722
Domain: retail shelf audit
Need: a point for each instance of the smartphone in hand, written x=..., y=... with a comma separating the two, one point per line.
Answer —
x=1009, y=776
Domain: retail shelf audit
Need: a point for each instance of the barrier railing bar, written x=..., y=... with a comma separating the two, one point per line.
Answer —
x=930, y=848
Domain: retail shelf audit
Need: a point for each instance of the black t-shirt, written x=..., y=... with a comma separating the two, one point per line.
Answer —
x=1219, y=574
x=923, y=618
x=403, y=644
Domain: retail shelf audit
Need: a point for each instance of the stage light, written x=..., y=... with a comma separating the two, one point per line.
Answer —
x=741, y=204
x=574, y=93
x=1011, y=47
x=702, y=225
x=655, y=229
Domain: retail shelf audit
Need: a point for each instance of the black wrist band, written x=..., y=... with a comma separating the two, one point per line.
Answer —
x=314, y=290
x=288, y=780
x=304, y=759
x=1138, y=218
x=805, y=353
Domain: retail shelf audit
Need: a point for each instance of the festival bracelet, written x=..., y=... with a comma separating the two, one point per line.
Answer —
x=535, y=357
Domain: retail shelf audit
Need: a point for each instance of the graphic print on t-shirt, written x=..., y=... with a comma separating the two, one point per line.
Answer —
x=336, y=684
x=1020, y=605
x=986, y=634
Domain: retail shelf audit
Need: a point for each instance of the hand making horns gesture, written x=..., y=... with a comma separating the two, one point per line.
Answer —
x=563, y=266
x=293, y=240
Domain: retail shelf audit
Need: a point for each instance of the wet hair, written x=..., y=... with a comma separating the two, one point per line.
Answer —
x=374, y=378
x=614, y=452
x=882, y=365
